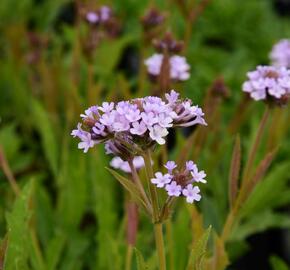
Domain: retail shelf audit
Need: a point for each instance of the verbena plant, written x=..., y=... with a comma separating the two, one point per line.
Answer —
x=62, y=209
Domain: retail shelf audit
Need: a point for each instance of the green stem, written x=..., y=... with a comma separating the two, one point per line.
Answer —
x=152, y=188
x=128, y=265
x=169, y=238
x=160, y=246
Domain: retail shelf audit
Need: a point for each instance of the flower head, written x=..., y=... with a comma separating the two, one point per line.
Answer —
x=129, y=127
x=280, y=54
x=161, y=180
x=181, y=182
x=268, y=83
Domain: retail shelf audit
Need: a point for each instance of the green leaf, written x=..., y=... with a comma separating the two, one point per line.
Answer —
x=196, y=259
x=109, y=53
x=42, y=122
x=129, y=186
x=141, y=265
x=278, y=264
x=18, y=232
x=254, y=225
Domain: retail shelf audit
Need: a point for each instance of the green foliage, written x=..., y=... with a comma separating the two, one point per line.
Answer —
x=196, y=259
x=76, y=217
x=17, y=253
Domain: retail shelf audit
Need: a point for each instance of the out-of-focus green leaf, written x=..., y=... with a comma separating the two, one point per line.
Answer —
x=278, y=264
x=196, y=259
x=54, y=251
x=18, y=232
x=254, y=225
x=268, y=192
x=43, y=124
x=141, y=265
x=109, y=53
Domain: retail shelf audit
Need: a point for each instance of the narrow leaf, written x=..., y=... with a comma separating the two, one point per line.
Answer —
x=196, y=259
x=129, y=186
x=235, y=171
x=262, y=169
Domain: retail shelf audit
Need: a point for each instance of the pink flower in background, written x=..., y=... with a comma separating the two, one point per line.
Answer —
x=267, y=82
x=179, y=68
x=280, y=54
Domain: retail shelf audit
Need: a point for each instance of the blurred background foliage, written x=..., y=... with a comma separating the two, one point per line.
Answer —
x=70, y=214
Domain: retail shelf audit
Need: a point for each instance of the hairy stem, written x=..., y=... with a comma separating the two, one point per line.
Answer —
x=128, y=265
x=152, y=188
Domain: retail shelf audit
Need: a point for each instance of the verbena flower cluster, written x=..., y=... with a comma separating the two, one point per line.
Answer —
x=179, y=68
x=268, y=82
x=118, y=163
x=280, y=54
x=180, y=182
x=102, y=15
x=128, y=126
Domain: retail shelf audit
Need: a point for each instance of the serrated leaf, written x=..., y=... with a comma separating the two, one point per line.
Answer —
x=196, y=259
x=235, y=171
x=141, y=265
x=18, y=232
x=129, y=186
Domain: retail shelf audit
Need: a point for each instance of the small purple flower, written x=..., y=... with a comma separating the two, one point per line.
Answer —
x=139, y=128
x=149, y=118
x=161, y=180
x=158, y=133
x=105, y=13
x=191, y=193
x=170, y=166
x=133, y=115
x=173, y=189
x=172, y=97
x=198, y=176
x=165, y=121
x=92, y=17
x=86, y=142
x=190, y=165
x=107, y=107
x=107, y=119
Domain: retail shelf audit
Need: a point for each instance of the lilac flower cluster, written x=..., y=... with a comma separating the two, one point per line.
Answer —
x=128, y=126
x=268, y=82
x=180, y=183
x=280, y=54
x=102, y=15
x=118, y=163
x=179, y=68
